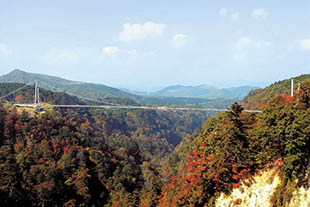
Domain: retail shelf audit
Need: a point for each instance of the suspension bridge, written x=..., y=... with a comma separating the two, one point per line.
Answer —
x=37, y=105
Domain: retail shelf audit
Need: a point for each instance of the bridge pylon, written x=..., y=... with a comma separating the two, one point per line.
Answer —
x=36, y=104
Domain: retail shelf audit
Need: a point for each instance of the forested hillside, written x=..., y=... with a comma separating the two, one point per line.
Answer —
x=84, y=157
x=54, y=160
x=26, y=95
x=90, y=160
x=157, y=131
x=257, y=98
x=120, y=158
x=234, y=145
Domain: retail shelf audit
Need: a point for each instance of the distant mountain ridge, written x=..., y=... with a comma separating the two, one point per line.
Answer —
x=201, y=91
x=92, y=90
x=175, y=95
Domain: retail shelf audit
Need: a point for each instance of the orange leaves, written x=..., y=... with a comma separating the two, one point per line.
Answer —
x=191, y=164
x=242, y=174
x=18, y=146
x=234, y=171
x=187, y=187
x=85, y=125
x=216, y=177
x=172, y=179
x=235, y=177
x=19, y=99
x=115, y=203
x=211, y=157
x=43, y=186
x=287, y=98
x=79, y=180
x=282, y=99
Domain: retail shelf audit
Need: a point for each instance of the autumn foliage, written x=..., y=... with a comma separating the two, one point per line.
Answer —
x=235, y=144
x=120, y=159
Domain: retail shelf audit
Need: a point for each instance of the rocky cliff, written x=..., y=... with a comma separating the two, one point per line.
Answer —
x=259, y=191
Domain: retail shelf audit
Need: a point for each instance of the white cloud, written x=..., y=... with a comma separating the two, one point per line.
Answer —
x=235, y=16
x=5, y=50
x=243, y=43
x=179, y=40
x=110, y=50
x=259, y=13
x=124, y=56
x=59, y=56
x=223, y=11
x=139, y=31
x=305, y=44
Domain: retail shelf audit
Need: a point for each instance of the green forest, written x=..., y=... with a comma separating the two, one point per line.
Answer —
x=149, y=158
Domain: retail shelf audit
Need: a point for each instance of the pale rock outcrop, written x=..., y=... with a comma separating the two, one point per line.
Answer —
x=258, y=191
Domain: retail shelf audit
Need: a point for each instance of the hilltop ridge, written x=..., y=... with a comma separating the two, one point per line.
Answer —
x=200, y=91
x=258, y=97
x=80, y=88
x=110, y=94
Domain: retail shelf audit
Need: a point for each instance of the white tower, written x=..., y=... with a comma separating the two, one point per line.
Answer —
x=292, y=87
x=36, y=97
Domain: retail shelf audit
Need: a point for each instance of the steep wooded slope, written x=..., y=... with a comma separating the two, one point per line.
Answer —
x=234, y=146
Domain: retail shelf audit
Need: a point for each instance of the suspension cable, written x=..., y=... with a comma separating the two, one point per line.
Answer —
x=6, y=95
x=72, y=94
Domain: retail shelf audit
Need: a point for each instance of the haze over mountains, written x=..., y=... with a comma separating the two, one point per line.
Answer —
x=170, y=95
x=201, y=91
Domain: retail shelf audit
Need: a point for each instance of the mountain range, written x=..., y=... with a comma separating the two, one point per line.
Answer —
x=170, y=95
x=204, y=91
x=90, y=90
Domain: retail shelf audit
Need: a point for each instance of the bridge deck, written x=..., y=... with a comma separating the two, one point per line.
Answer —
x=37, y=105
x=163, y=108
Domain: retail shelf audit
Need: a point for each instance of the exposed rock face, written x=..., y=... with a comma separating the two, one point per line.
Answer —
x=259, y=190
x=257, y=194
x=301, y=197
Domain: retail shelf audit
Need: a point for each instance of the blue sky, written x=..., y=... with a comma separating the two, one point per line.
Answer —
x=146, y=44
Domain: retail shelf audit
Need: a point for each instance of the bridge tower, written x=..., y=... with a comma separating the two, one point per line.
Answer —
x=36, y=104
x=292, y=87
